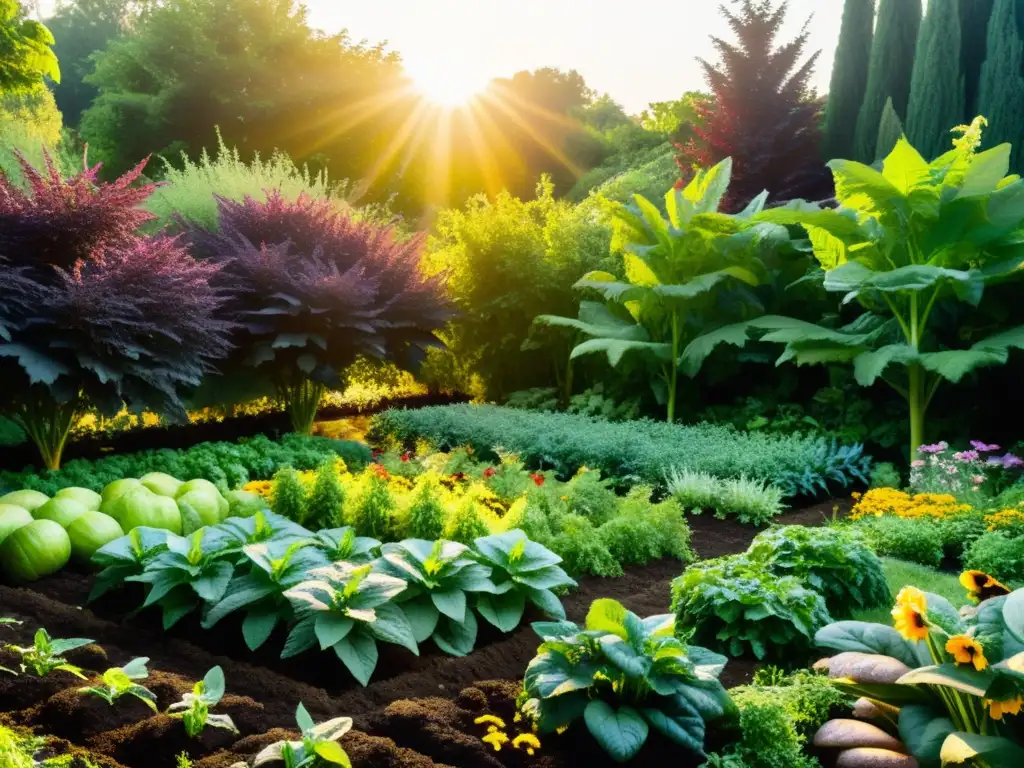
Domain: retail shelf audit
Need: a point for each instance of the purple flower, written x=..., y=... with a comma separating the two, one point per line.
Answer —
x=917, y=463
x=966, y=456
x=980, y=446
x=1007, y=461
x=936, y=448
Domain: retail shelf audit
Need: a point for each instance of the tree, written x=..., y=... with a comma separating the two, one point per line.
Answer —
x=889, y=71
x=26, y=54
x=937, y=84
x=763, y=116
x=678, y=119
x=1001, y=91
x=849, y=77
x=974, y=20
x=889, y=131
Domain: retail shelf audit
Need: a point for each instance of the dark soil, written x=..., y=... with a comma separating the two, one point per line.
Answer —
x=417, y=712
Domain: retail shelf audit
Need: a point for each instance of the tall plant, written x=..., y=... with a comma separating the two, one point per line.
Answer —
x=907, y=242
x=684, y=274
x=94, y=314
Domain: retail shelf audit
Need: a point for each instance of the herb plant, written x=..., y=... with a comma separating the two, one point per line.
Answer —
x=121, y=681
x=343, y=544
x=348, y=609
x=439, y=575
x=318, y=742
x=194, y=707
x=750, y=501
x=623, y=675
x=126, y=557
x=46, y=654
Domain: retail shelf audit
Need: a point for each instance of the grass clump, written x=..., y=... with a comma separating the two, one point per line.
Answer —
x=751, y=501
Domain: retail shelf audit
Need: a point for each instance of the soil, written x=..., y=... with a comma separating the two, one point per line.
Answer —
x=416, y=713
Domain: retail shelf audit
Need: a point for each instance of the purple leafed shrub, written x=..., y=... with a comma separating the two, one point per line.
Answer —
x=93, y=313
x=311, y=289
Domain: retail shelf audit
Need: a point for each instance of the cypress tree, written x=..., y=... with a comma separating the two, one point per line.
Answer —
x=1001, y=91
x=974, y=18
x=892, y=61
x=889, y=132
x=937, y=85
x=849, y=77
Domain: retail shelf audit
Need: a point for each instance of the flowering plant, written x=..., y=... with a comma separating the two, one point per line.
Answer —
x=969, y=475
x=951, y=682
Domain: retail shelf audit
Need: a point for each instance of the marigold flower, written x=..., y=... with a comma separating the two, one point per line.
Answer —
x=496, y=740
x=997, y=710
x=531, y=742
x=908, y=614
x=967, y=650
x=491, y=720
x=856, y=495
x=980, y=586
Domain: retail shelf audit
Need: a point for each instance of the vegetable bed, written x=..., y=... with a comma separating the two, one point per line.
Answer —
x=416, y=711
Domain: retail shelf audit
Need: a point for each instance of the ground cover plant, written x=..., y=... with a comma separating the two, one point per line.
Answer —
x=629, y=451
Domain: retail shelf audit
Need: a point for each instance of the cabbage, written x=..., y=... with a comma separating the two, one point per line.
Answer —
x=204, y=505
x=35, y=550
x=62, y=511
x=140, y=506
x=27, y=500
x=198, y=485
x=115, y=491
x=161, y=484
x=90, y=532
x=12, y=518
x=245, y=503
x=87, y=498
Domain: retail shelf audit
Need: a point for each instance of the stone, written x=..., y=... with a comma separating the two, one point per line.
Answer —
x=869, y=757
x=864, y=667
x=844, y=734
x=866, y=709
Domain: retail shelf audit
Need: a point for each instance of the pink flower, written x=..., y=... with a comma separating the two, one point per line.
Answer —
x=966, y=456
x=935, y=448
x=980, y=446
x=978, y=479
x=917, y=463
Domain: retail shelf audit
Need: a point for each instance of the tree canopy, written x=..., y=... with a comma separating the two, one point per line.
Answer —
x=26, y=53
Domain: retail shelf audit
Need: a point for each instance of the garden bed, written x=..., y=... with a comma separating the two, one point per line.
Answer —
x=410, y=701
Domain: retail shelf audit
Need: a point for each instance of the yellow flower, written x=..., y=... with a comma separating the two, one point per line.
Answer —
x=1005, y=518
x=997, y=710
x=856, y=495
x=490, y=719
x=561, y=729
x=532, y=742
x=980, y=586
x=496, y=740
x=908, y=614
x=967, y=650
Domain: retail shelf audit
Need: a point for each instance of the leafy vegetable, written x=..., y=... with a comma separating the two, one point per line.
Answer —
x=318, y=742
x=46, y=654
x=194, y=707
x=120, y=681
x=125, y=557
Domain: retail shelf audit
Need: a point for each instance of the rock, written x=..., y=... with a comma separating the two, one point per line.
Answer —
x=866, y=709
x=864, y=667
x=868, y=757
x=844, y=734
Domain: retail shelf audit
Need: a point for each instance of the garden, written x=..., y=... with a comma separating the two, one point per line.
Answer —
x=653, y=467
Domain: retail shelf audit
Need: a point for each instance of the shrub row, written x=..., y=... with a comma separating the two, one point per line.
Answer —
x=632, y=451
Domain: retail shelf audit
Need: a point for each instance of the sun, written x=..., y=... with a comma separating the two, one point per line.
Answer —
x=446, y=85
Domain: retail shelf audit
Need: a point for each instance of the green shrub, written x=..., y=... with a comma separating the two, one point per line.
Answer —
x=589, y=495
x=325, y=506
x=916, y=540
x=769, y=739
x=425, y=516
x=959, y=532
x=373, y=510
x=997, y=555
x=464, y=524
x=631, y=540
x=628, y=451
x=835, y=562
x=737, y=606
x=582, y=550
x=289, y=498
x=885, y=475
x=752, y=501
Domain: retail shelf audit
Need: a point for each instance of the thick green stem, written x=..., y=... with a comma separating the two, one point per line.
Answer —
x=674, y=369
x=48, y=424
x=917, y=401
x=302, y=399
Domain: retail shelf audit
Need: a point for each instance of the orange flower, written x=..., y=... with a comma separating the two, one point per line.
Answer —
x=980, y=586
x=908, y=614
x=967, y=650
x=997, y=710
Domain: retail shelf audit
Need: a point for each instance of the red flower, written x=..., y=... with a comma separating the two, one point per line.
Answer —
x=459, y=476
x=381, y=472
x=489, y=472
x=374, y=453
x=405, y=456
x=537, y=478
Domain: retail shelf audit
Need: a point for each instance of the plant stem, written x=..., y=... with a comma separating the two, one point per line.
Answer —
x=48, y=424
x=674, y=364
x=302, y=398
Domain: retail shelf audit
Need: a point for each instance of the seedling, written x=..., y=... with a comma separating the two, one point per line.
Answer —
x=318, y=741
x=120, y=681
x=2, y=622
x=194, y=708
x=46, y=654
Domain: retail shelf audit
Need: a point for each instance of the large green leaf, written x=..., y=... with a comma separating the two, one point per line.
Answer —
x=392, y=626
x=904, y=168
x=456, y=638
x=863, y=189
x=854, y=278
x=620, y=733
x=358, y=652
x=924, y=729
x=707, y=188
x=870, y=365
x=616, y=348
x=706, y=282
x=964, y=679
x=985, y=172
x=994, y=751
x=39, y=368
x=829, y=250
x=614, y=291
x=864, y=637
x=1006, y=206
x=954, y=364
x=503, y=611
x=1013, y=615
x=680, y=724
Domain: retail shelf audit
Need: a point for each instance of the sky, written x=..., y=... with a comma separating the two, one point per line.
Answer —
x=638, y=51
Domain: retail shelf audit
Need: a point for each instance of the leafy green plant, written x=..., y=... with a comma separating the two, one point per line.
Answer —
x=751, y=501
x=348, y=609
x=918, y=541
x=46, y=654
x=738, y=605
x=681, y=273
x=343, y=544
x=832, y=561
x=289, y=496
x=121, y=681
x=440, y=576
x=125, y=557
x=426, y=513
x=319, y=742
x=999, y=554
x=373, y=509
x=885, y=475
x=325, y=505
x=582, y=550
x=194, y=707
x=623, y=675
x=521, y=571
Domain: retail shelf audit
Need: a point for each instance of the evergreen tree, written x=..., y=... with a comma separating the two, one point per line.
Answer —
x=849, y=78
x=974, y=19
x=764, y=116
x=889, y=71
x=937, y=85
x=1001, y=91
x=889, y=132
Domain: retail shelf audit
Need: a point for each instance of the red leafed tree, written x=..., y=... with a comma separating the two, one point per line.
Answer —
x=764, y=115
